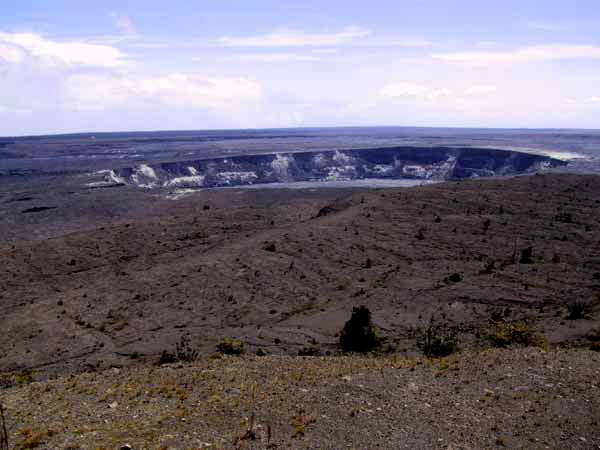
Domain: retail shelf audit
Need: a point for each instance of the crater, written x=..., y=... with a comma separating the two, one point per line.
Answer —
x=390, y=163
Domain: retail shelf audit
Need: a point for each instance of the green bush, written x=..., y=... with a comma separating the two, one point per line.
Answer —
x=359, y=334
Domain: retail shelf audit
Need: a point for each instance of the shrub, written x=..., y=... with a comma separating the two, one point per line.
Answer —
x=515, y=333
x=167, y=357
x=579, y=309
x=526, y=256
x=24, y=377
x=594, y=336
x=497, y=314
x=436, y=340
x=310, y=350
x=564, y=217
x=420, y=234
x=229, y=346
x=489, y=266
x=300, y=422
x=261, y=352
x=500, y=314
x=269, y=247
x=359, y=334
x=453, y=278
x=32, y=440
x=183, y=353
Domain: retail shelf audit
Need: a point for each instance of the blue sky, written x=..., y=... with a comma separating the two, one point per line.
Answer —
x=68, y=66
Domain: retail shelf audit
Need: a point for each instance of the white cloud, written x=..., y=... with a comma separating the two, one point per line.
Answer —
x=291, y=38
x=536, y=53
x=272, y=57
x=14, y=47
x=414, y=92
x=10, y=53
x=98, y=91
x=481, y=89
x=583, y=101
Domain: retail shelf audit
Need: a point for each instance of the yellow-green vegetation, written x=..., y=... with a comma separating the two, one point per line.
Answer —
x=140, y=406
x=507, y=334
x=300, y=422
x=16, y=378
x=31, y=439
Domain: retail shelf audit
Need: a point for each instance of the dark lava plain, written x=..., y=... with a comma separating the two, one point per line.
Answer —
x=104, y=280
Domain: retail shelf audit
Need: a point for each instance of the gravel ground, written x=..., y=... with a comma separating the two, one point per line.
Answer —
x=518, y=399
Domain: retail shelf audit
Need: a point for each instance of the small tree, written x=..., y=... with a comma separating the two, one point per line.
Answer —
x=359, y=334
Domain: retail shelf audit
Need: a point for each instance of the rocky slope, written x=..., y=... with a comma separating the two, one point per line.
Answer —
x=279, y=269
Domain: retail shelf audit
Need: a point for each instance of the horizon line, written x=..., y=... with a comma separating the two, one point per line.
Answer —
x=92, y=133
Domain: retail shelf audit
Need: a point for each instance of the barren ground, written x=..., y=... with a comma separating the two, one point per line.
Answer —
x=279, y=269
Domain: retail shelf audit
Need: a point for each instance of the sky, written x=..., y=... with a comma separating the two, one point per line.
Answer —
x=118, y=65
